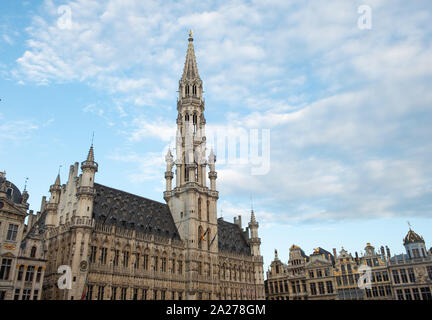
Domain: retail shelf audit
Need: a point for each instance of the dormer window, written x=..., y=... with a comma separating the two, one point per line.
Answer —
x=9, y=192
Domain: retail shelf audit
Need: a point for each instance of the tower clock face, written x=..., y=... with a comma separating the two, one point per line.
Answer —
x=83, y=265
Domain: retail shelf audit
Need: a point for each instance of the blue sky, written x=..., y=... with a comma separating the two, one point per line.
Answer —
x=349, y=110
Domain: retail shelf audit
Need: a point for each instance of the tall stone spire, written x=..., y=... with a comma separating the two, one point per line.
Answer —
x=190, y=71
x=57, y=180
x=90, y=156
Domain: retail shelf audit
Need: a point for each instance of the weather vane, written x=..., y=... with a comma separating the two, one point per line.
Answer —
x=190, y=33
x=409, y=224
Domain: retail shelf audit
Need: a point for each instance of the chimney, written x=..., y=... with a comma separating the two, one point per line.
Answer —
x=42, y=209
x=238, y=221
x=247, y=233
x=382, y=253
x=30, y=220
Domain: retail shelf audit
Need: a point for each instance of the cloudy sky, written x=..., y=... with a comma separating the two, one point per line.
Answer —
x=349, y=109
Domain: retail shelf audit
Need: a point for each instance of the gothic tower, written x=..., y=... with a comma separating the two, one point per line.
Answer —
x=192, y=204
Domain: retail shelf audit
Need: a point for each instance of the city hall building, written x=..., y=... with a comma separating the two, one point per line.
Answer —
x=123, y=246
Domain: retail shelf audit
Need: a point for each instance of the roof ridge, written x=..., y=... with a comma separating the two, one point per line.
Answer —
x=132, y=194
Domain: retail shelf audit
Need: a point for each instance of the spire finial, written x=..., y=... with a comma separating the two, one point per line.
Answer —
x=251, y=203
x=92, y=138
x=25, y=183
x=190, y=71
x=90, y=156
x=409, y=225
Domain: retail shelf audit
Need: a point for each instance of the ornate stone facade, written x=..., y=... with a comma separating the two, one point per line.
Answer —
x=323, y=276
x=123, y=246
x=22, y=257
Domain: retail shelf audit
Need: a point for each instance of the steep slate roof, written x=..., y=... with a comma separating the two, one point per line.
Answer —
x=320, y=251
x=16, y=195
x=231, y=238
x=126, y=210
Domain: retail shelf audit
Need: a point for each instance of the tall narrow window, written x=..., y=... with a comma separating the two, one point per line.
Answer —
x=103, y=257
x=194, y=90
x=20, y=273
x=199, y=208
x=200, y=237
x=101, y=290
x=209, y=239
x=137, y=259
x=208, y=210
x=116, y=257
x=123, y=293
x=26, y=294
x=195, y=120
x=163, y=264
x=33, y=252
x=89, y=295
x=12, y=232
x=156, y=263
x=92, y=254
x=39, y=274
x=30, y=273
x=145, y=262
x=173, y=266
x=125, y=258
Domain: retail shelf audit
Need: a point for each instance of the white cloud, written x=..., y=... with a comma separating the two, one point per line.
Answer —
x=346, y=107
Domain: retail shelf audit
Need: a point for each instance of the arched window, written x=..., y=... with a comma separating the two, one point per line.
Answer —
x=194, y=90
x=187, y=90
x=195, y=121
x=199, y=208
x=186, y=117
x=186, y=174
x=200, y=237
x=33, y=252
